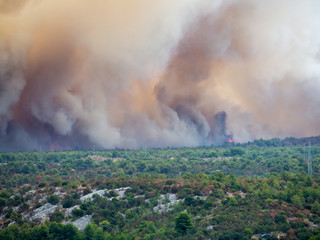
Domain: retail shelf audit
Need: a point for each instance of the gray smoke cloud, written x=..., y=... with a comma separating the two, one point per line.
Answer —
x=141, y=73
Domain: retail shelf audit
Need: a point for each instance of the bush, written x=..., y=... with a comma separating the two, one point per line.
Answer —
x=53, y=199
x=2, y=202
x=5, y=194
x=111, y=193
x=69, y=202
x=78, y=212
x=87, y=191
x=57, y=217
x=280, y=219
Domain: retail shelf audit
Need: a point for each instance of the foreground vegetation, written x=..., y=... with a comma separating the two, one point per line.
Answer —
x=230, y=192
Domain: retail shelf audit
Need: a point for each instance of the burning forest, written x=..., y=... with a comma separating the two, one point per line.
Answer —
x=141, y=73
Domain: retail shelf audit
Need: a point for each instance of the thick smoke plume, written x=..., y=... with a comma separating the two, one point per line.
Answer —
x=144, y=73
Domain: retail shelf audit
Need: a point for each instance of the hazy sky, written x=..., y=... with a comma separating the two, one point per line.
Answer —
x=147, y=73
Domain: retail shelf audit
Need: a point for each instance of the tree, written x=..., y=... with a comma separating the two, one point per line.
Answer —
x=69, y=231
x=315, y=207
x=89, y=232
x=248, y=232
x=188, y=200
x=104, y=225
x=232, y=202
x=99, y=234
x=315, y=237
x=280, y=219
x=55, y=230
x=183, y=223
x=308, y=181
x=2, y=202
x=39, y=232
x=151, y=228
x=296, y=200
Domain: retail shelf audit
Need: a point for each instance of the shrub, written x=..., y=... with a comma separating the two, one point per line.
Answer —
x=53, y=199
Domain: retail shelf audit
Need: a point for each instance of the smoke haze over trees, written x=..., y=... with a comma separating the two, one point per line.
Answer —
x=144, y=73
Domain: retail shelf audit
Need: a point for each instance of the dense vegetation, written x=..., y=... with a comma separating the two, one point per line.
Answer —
x=229, y=192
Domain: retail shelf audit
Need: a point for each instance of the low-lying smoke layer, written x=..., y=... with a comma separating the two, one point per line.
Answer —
x=141, y=73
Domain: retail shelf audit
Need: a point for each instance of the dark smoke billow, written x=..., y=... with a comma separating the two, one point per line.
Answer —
x=106, y=74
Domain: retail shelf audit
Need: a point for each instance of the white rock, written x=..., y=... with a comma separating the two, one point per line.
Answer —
x=90, y=195
x=69, y=210
x=31, y=192
x=210, y=227
x=16, y=208
x=81, y=223
x=120, y=192
x=14, y=222
x=164, y=207
x=42, y=199
x=201, y=197
x=142, y=196
x=42, y=212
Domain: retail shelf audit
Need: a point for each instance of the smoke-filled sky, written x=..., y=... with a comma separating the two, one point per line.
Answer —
x=149, y=73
